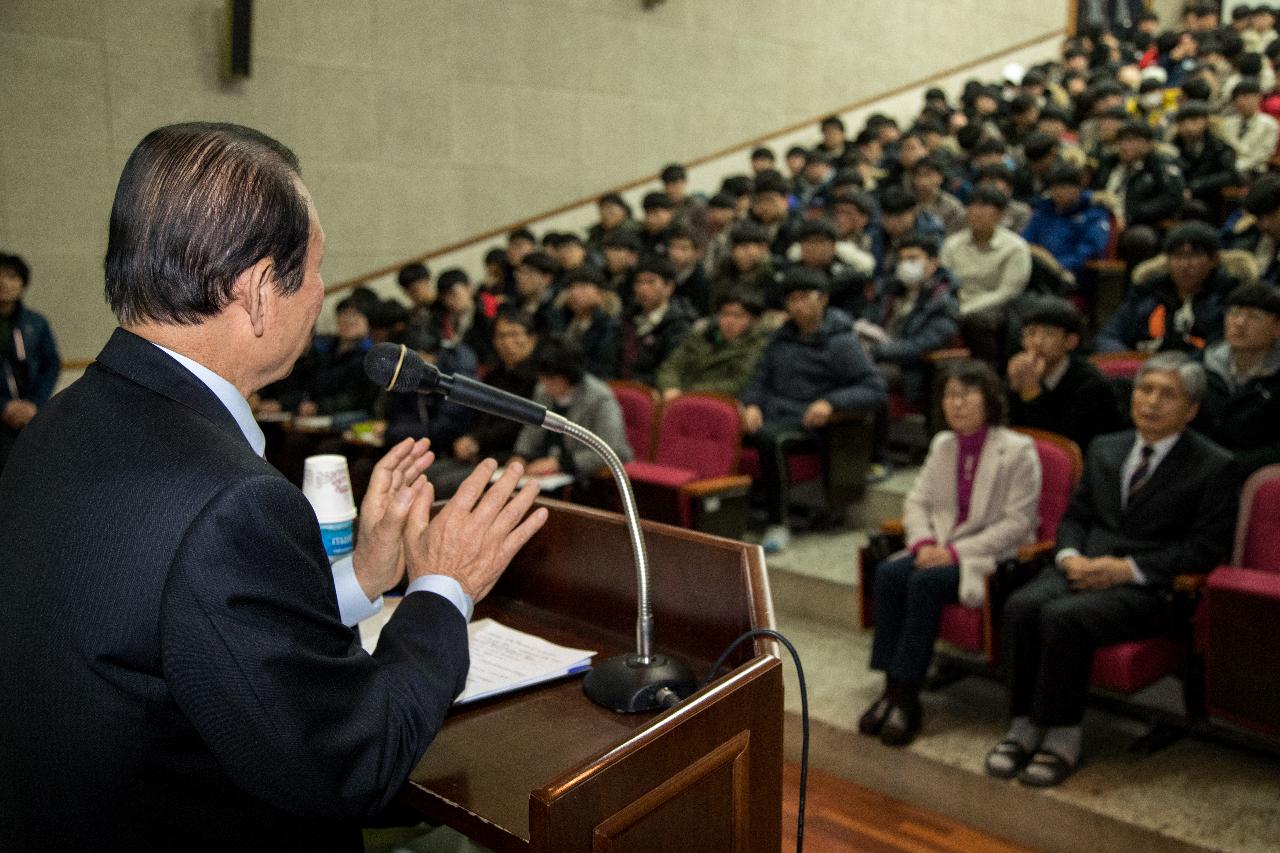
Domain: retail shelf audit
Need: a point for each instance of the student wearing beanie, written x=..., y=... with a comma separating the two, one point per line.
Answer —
x=1051, y=387
x=1241, y=407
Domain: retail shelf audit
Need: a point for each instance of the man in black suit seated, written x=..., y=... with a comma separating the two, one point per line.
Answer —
x=1153, y=503
x=178, y=669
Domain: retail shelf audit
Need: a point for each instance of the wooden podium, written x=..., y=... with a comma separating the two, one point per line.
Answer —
x=546, y=769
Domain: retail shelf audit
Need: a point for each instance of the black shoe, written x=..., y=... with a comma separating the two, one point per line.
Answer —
x=1046, y=770
x=901, y=725
x=872, y=719
x=1006, y=759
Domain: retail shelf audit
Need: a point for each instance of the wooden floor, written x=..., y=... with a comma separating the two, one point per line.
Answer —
x=841, y=817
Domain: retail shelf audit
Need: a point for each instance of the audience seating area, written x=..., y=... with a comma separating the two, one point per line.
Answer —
x=1066, y=138
x=1071, y=140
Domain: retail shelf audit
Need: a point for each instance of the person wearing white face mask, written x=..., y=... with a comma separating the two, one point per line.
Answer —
x=1153, y=106
x=911, y=314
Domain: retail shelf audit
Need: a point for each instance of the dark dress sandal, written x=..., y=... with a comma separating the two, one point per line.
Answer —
x=872, y=719
x=1046, y=770
x=902, y=725
x=1006, y=759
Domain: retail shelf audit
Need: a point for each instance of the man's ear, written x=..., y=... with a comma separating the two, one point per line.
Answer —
x=252, y=292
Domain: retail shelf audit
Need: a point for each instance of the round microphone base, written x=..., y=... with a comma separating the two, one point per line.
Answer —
x=624, y=684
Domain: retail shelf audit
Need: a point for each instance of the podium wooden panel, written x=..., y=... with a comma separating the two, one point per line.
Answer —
x=547, y=769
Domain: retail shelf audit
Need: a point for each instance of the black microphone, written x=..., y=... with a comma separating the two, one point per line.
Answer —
x=644, y=681
x=395, y=367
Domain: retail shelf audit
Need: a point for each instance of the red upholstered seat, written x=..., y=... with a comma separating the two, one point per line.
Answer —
x=1129, y=667
x=801, y=467
x=962, y=626
x=900, y=407
x=639, y=404
x=662, y=475
x=1258, y=540
x=1119, y=365
x=700, y=432
x=1239, y=613
x=698, y=444
x=1264, y=583
x=1237, y=602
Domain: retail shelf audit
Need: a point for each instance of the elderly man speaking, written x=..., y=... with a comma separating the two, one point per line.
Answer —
x=178, y=669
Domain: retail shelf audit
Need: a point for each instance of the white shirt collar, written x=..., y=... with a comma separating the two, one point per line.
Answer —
x=649, y=321
x=228, y=395
x=1052, y=378
x=1159, y=451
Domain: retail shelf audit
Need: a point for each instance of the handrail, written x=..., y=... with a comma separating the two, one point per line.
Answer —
x=502, y=230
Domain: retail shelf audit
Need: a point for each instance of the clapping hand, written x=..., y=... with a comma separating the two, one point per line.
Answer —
x=478, y=531
x=397, y=482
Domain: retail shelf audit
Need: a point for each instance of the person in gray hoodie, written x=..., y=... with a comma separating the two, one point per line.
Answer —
x=812, y=367
x=1241, y=406
x=565, y=387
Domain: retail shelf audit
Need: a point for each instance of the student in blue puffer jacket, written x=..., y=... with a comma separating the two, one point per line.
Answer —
x=1067, y=221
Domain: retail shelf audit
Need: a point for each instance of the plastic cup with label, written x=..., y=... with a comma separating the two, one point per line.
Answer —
x=326, y=482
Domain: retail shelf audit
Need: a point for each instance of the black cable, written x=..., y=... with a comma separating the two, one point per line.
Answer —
x=804, y=714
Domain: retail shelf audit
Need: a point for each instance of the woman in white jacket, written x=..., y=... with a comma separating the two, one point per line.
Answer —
x=972, y=505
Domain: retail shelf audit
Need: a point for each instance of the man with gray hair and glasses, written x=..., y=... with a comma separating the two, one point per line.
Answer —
x=1155, y=501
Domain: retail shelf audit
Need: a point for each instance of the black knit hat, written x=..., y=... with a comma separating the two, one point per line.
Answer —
x=748, y=232
x=804, y=278
x=1265, y=297
x=1056, y=312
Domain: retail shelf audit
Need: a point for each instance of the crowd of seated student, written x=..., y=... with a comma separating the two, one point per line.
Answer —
x=1160, y=498
x=909, y=315
x=654, y=325
x=1241, y=406
x=1181, y=308
x=922, y=236
x=1051, y=387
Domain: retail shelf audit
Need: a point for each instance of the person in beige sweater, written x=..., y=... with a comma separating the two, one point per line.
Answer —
x=991, y=267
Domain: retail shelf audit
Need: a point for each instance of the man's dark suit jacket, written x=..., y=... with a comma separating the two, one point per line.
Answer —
x=176, y=675
x=1180, y=521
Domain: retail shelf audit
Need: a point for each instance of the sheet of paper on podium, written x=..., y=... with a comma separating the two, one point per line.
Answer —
x=502, y=659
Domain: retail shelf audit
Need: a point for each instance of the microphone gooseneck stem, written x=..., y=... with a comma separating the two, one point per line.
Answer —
x=644, y=618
